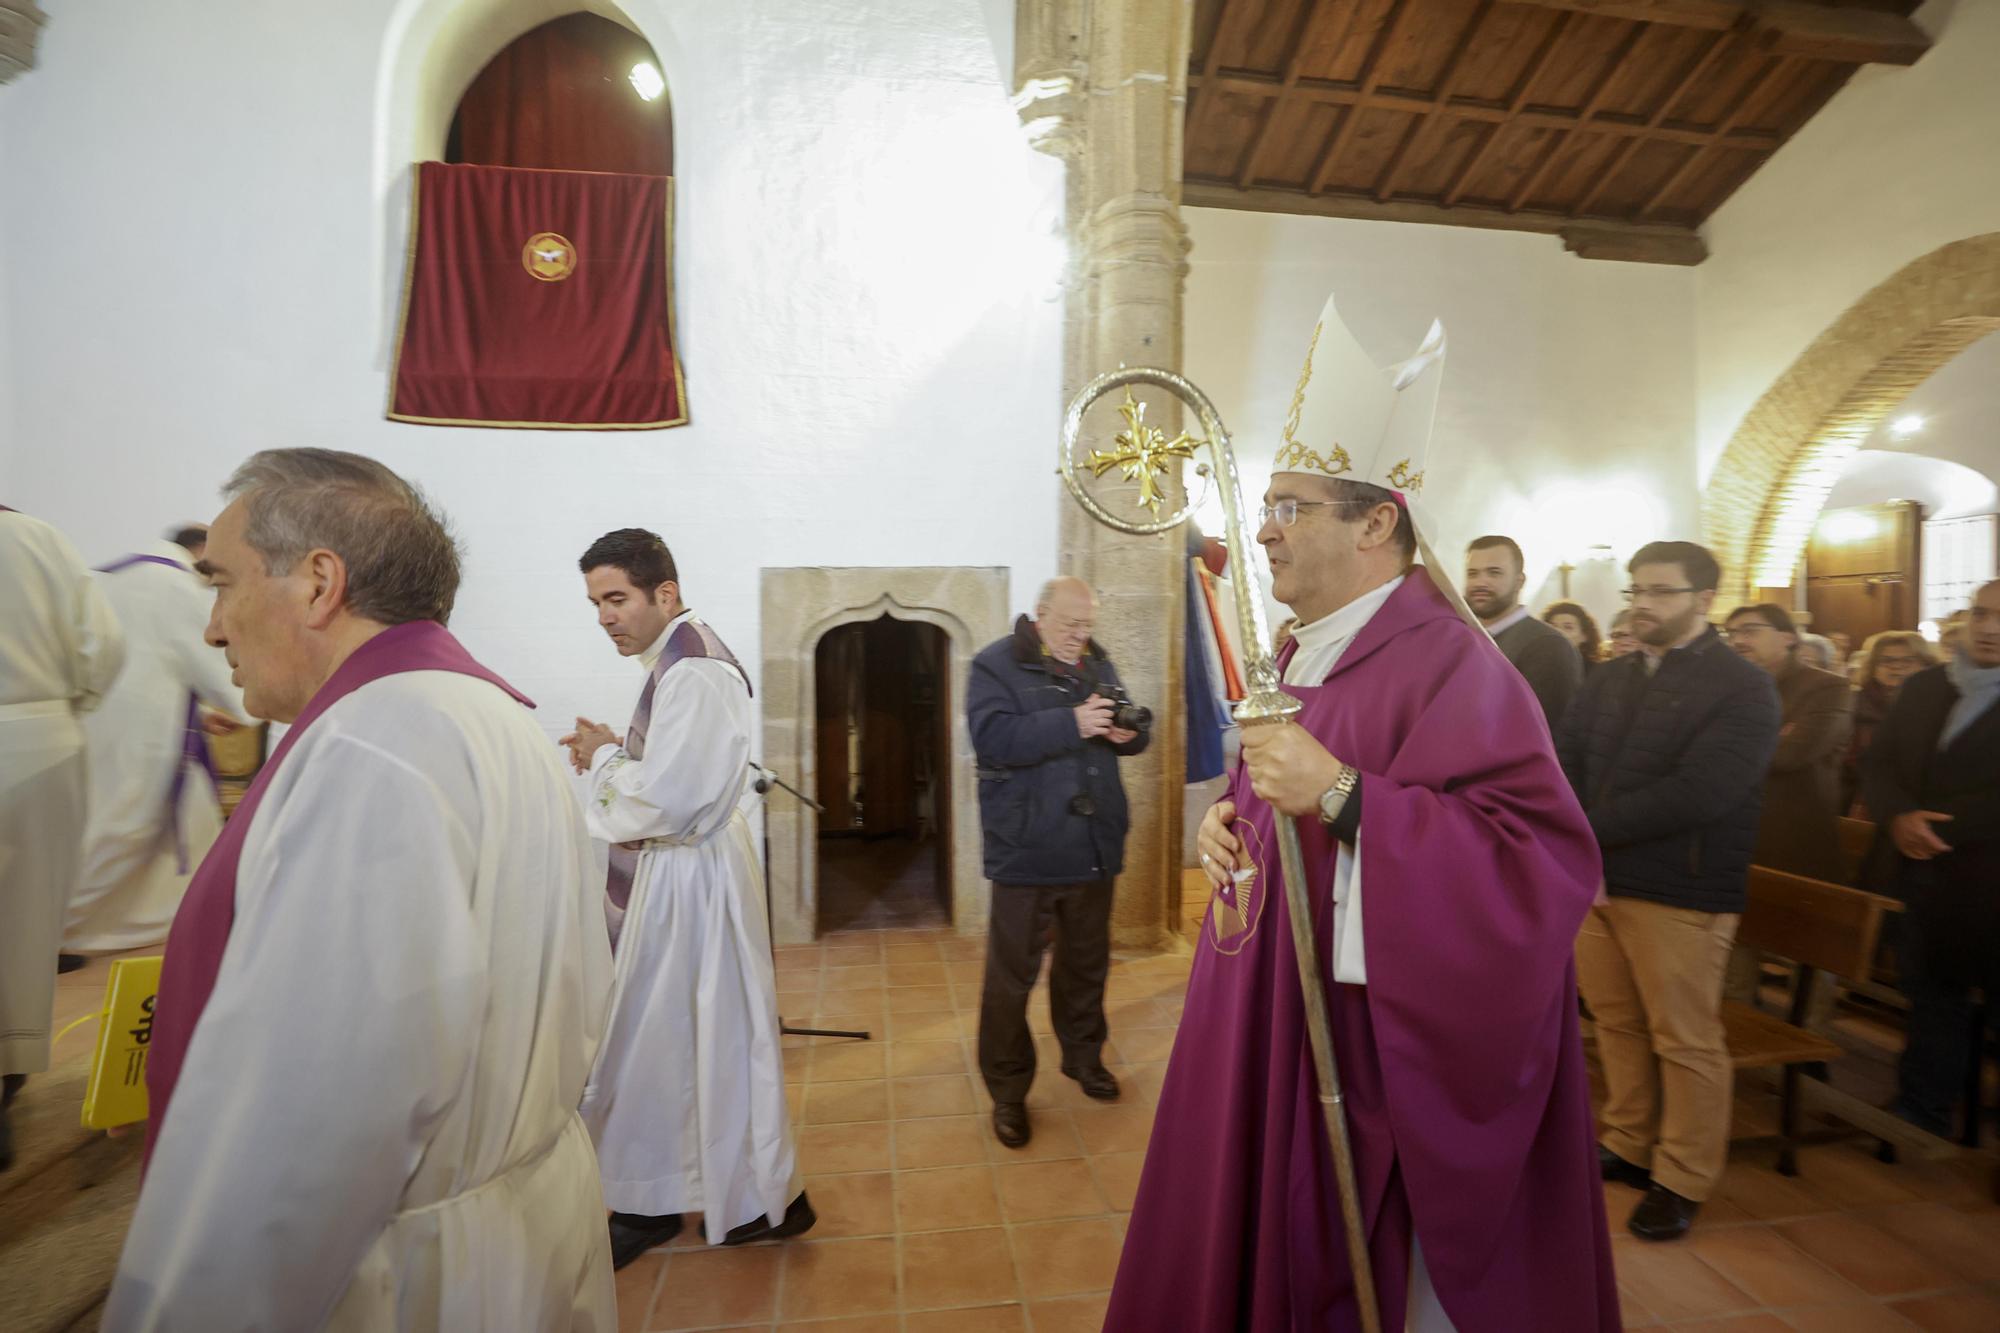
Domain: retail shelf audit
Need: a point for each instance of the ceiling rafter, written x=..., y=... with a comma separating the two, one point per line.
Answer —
x=1281, y=96
x=1702, y=63
x=1431, y=125
x=1774, y=67
x=1515, y=106
x=1204, y=89
x=1808, y=28
x=1372, y=70
x=1591, y=106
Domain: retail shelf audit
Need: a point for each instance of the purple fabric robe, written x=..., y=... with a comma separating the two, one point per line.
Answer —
x=1461, y=1060
x=199, y=936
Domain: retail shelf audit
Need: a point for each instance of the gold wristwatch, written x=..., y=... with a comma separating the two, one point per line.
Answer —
x=1334, y=798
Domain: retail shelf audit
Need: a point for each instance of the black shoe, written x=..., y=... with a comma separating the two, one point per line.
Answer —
x=1010, y=1124
x=1616, y=1169
x=632, y=1234
x=70, y=962
x=1097, y=1082
x=799, y=1219
x=1662, y=1215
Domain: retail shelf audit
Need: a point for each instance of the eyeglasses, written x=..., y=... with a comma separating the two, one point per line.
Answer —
x=1745, y=630
x=1287, y=511
x=1653, y=594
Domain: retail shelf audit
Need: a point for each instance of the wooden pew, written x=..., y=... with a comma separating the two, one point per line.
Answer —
x=1856, y=837
x=1817, y=927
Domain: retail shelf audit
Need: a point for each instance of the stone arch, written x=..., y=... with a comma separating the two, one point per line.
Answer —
x=1774, y=476
x=800, y=606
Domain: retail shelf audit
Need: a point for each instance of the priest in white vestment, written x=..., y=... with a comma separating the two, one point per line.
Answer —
x=687, y=1102
x=386, y=983
x=60, y=650
x=154, y=809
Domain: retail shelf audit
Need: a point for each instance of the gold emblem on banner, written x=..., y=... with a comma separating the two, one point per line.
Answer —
x=548, y=257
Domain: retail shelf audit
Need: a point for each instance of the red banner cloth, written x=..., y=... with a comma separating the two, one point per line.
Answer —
x=539, y=299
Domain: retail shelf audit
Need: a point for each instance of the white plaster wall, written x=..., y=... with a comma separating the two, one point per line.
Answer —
x=204, y=202
x=1566, y=413
x=1898, y=163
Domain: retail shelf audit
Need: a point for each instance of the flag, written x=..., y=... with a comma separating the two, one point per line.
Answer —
x=538, y=299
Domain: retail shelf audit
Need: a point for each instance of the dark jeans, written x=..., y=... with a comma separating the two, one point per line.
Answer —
x=1018, y=930
x=1950, y=945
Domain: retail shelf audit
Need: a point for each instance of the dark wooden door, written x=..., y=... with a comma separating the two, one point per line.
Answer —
x=1863, y=570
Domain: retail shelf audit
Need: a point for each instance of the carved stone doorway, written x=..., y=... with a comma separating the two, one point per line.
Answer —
x=800, y=607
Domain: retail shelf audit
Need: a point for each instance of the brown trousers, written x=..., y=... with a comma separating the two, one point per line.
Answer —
x=1652, y=976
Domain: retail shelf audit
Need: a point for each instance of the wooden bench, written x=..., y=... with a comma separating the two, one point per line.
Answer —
x=1817, y=927
x=1857, y=837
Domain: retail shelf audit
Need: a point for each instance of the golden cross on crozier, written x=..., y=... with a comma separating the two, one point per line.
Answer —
x=1144, y=452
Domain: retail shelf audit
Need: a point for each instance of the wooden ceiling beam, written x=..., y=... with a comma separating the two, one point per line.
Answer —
x=1628, y=241
x=1395, y=99
x=1805, y=28
x=1585, y=114
x=1516, y=105
x=1294, y=67
x=1205, y=87
x=1372, y=70
x=1699, y=68
x=1430, y=126
x=1773, y=69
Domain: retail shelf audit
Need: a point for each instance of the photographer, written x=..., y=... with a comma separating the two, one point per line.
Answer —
x=1049, y=721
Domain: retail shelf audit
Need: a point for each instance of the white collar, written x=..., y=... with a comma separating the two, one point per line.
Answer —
x=649, y=656
x=1506, y=622
x=1344, y=624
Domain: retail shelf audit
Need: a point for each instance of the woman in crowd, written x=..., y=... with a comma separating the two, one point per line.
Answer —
x=1576, y=625
x=1887, y=660
x=1621, y=641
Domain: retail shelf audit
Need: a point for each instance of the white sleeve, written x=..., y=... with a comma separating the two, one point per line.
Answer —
x=697, y=756
x=206, y=669
x=96, y=640
x=1350, y=959
x=340, y=1030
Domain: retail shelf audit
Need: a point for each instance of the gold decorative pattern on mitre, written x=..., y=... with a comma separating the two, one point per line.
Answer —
x=1403, y=479
x=1144, y=452
x=1296, y=457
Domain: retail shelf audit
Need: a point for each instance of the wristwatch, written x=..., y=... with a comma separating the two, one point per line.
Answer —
x=1333, y=798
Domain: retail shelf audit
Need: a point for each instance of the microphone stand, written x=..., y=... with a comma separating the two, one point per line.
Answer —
x=765, y=780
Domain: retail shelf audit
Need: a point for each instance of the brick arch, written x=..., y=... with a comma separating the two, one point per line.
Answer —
x=1779, y=466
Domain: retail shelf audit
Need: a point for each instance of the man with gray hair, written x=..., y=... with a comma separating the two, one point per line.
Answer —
x=1049, y=724
x=385, y=984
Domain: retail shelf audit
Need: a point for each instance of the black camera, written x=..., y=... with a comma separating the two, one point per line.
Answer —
x=1126, y=715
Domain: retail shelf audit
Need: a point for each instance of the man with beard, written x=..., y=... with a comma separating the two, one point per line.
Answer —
x=1418, y=764
x=1494, y=577
x=1667, y=749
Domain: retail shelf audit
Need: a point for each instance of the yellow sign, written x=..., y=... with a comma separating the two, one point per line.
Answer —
x=117, y=1091
x=549, y=257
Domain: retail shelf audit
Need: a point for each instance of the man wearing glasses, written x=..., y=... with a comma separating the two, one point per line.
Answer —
x=1797, y=832
x=1668, y=749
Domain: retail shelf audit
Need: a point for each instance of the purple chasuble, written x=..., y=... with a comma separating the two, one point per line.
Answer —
x=691, y=638
x=200, y=933
x=1461, y=1060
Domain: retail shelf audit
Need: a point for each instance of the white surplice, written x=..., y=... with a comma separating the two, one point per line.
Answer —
x=60, y=650
x=1321, y=646
x=687, y=1102
x=133, y=874
x=375, y=1126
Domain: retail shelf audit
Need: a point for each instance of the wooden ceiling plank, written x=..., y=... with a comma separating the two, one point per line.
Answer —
x=1632, y=242
x=1372, y=70
x=1430, y=128
x=1774, y=68
x=1467, y=173
x=1585, y=114
x=1206, y=89
x=1294, y=66
x=1806, y=28
x=1694, y=74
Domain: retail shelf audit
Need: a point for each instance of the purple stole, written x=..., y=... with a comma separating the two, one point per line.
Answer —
x=692, y=638
x=1460, y=1060
x=194, y=749
x=200, y=933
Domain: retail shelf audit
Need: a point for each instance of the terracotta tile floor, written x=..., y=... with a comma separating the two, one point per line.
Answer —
x=926, y=1223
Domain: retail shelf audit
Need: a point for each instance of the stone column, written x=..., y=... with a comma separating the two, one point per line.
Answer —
x=1103, y=84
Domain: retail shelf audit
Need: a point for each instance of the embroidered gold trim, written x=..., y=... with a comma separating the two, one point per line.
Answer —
x=1402, y=478
x=1296, y=457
